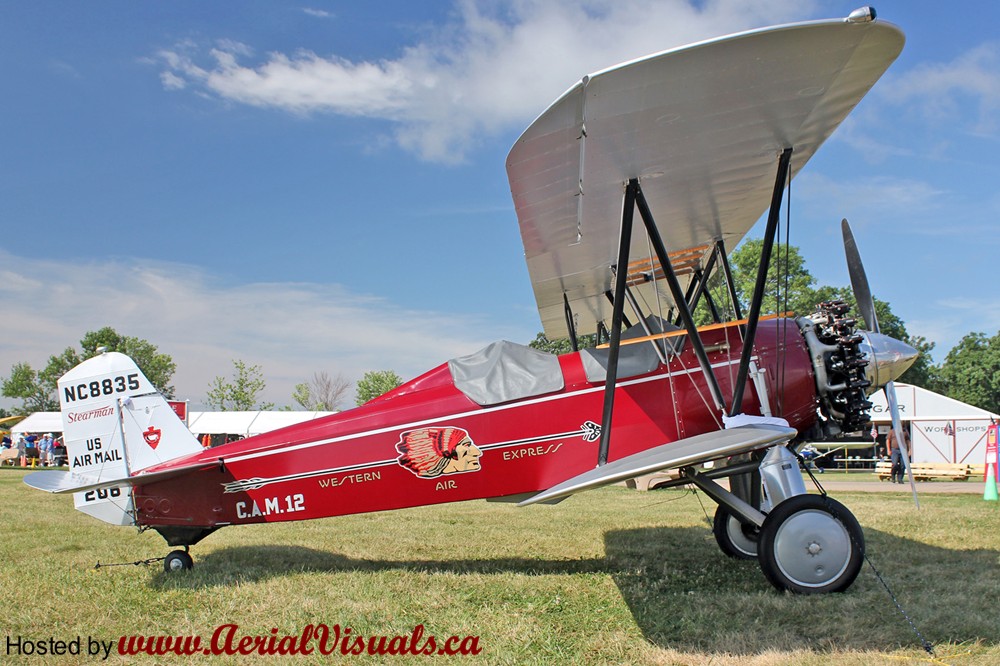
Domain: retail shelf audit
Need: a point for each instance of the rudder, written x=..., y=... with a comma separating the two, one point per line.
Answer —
x=115, y=424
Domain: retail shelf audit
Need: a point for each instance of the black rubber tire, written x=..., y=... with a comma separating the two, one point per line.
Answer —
x=811, y=544
x=177, y=560
x=735, y=539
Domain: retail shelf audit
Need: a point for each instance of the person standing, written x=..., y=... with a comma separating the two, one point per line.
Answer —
x=896, y=456
x=45, y=446
x=22, y=449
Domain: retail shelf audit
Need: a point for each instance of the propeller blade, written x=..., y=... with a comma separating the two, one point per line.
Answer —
x=897, y=427
x=859, y=281
x=866, y=306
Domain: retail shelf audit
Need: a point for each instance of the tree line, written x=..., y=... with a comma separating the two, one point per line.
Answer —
x=241, y=391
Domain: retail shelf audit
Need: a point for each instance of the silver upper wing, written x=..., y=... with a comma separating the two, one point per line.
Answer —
x=701, y=127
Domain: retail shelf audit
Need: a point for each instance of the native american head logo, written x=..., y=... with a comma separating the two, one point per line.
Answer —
x=152, y=436
x=431, y=452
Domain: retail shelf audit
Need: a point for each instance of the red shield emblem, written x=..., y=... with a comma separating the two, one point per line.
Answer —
x=152, y=436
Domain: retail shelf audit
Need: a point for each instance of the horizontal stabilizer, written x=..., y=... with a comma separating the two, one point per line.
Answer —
x=690, y=451
x=66, y=482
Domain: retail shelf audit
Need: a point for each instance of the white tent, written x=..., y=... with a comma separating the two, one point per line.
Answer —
x=941, y=429
x=39, y=423
x=245, y=424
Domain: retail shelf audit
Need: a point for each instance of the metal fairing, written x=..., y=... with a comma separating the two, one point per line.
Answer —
x=427, y=443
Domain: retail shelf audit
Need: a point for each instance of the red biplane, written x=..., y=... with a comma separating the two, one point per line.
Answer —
x=700, y=141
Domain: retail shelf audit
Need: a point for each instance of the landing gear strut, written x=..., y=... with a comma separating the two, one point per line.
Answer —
x=808, y=544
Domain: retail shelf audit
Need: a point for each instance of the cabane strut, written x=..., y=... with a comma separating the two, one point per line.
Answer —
x=634, y=198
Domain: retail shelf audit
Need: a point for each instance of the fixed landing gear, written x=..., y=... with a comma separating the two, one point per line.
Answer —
x=807, y=544
x=811, y=544
x=178, y=560
x=735, y=539
x=185, y=537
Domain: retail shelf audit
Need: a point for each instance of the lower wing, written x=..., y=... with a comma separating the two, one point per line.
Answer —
x=689, y=451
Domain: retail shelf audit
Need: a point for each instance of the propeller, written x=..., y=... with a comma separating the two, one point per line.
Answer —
x=866, y=306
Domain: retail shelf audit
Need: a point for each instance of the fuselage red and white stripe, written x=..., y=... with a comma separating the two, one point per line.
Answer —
x=351, y=462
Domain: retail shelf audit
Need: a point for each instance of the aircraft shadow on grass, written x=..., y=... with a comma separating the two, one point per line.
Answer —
x=686, y=595
x=261, y=562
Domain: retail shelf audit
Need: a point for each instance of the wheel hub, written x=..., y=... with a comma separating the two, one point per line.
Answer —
x=811, y=544
x=812, y=548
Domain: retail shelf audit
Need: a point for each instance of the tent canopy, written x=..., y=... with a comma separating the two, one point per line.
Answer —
x=919, y=404
x=246, y=423
x=39, y=422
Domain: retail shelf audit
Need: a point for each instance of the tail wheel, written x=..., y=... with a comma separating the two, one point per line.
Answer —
x=735, y=539
x=177, y=560
x=811, y=544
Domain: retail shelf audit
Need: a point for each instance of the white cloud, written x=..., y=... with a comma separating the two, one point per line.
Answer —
x=290, y=329
x=947, y=321
x=305, y=82
x=490, y=69
x=878, y=196
x=318, y=13
x=965, y=90
x=171, y=81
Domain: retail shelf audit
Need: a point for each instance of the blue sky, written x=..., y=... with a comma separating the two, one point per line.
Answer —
x=320, y=186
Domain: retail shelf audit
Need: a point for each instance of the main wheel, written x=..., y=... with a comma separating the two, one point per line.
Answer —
x=177, y=560
x=811, y=544
x=734, y=538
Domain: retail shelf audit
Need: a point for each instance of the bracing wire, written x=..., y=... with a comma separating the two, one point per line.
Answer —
x=666, y=347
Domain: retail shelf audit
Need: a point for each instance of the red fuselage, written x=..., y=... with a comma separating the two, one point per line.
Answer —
x=427, y=443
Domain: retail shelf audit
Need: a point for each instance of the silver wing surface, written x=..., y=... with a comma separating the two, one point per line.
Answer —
x=689, y=451
x=701, y=127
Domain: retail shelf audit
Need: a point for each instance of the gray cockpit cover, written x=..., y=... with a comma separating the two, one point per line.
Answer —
x=635, y=359
x=505, y=371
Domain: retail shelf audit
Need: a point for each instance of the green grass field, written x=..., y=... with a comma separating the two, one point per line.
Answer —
x=612, y=576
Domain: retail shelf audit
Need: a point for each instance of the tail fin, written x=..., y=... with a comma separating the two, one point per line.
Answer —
x=115, y=424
